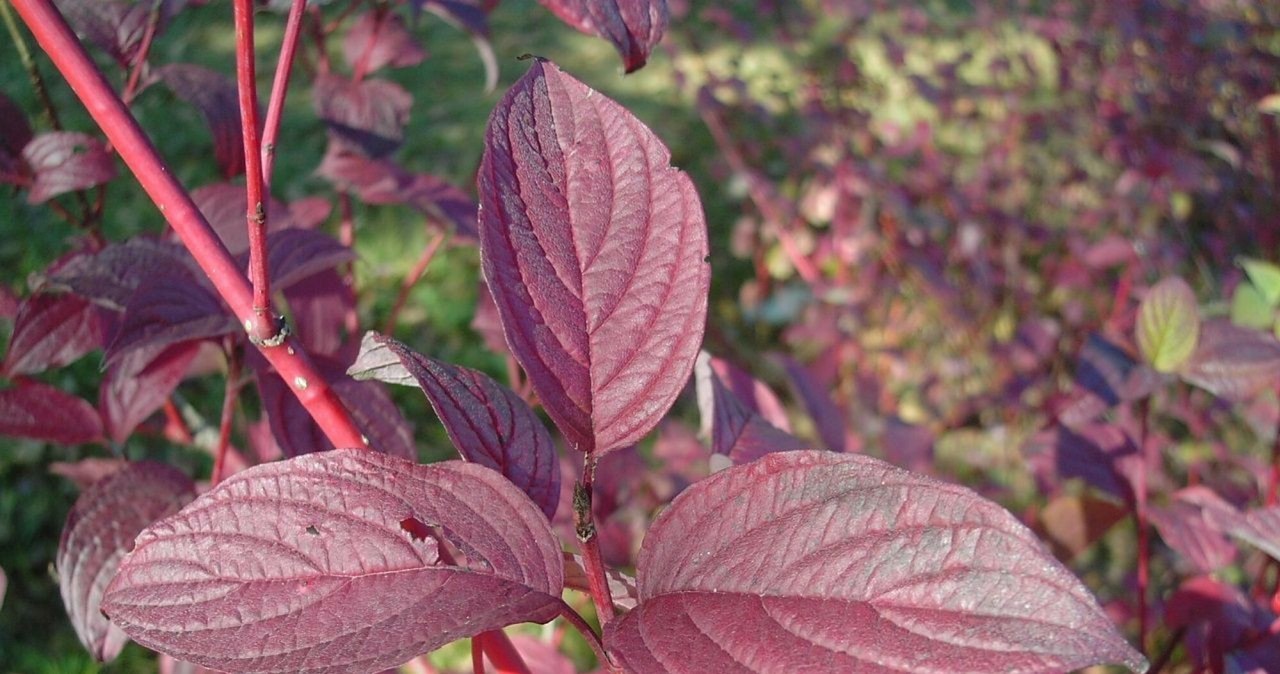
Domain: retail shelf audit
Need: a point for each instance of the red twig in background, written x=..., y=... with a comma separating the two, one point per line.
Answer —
x=411, y=279
x=69, y=56
x=593, y=640
x=263, y=328
x=280, y=89
x=230, y=394
x=140, y=58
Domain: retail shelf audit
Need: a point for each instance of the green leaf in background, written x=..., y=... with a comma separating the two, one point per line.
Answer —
x=1266, y=276
x=1168, y=324
x=1250, y=309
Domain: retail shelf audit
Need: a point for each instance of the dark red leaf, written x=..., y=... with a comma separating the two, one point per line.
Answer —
x=85, y=472
x=52, y=330
x=296, y=254
x=1106, y=376
x=594, y=249
x=382, y=181
x=633, y=26
x=1233, y=361
x=1101, y=454
x=353, y=534
x=65, y=161
x=138, y=383
x=15, y=133
x=1187, y=526
x=826, y=415
x=320, y=305
x=1260, y=528
x=371, y=407
x=488, y=423
x=224, y=206
x=115, y=26
x=31, y=409
x=820, y=562
x=378, y=39
x=366, y=116
x=99, y=531
x=736, y=431
x=168, y=310
x=752, y=392
x=487, y=323
x=214, y=95
x=110, y=276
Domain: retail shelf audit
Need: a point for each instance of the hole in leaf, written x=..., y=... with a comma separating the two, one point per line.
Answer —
x=311, y=529
x=416, y=528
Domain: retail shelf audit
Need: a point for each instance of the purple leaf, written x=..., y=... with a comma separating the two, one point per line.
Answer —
x=165, y=311
x=114, y=26
x=65, y=161
x=15, y=133
x=366, y=116
x=110, y=276
x=820, y=562
x=752, y=392
x=633, y=26
x=1233, y=361
x=1101, y=454
x=382, y=181
x=1188, y=526
x=488, y=423
x=138, y=383
x=355, y=572
x=826, y=415
x=371, y=408
x=487, y=323
x=296, y=254
x=594, y=249
x=1105, y=377
x=320, y=305
x=99, y=531
x=31, y=409
x=1260, y=528
x=52, y=330
x=736, y=431
x=214, y=95
x=378, y=39
x=224, y=206
x=85, y=472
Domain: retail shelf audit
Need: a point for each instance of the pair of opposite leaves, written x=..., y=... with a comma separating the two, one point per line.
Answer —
x=594, y=250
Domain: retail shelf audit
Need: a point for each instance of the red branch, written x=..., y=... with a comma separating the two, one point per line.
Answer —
x=280, y=89
x=585, y=527
x=263, y=329
x=69, y=56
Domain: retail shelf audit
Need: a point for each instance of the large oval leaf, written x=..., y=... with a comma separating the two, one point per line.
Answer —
x=52, y=330
x=333, y=562
x=593, y=247
x=488, y=423
x=817, y=562
x=99, y=531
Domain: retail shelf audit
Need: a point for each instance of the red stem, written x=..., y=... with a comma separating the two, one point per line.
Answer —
x=263, y=329
x=280, y=89
x=585, y=525
x=69, y=56
x=579, y=623
x=410, y=280
x=477, y=656
x=229, y=396
x=1140, y=519
x=502, y=653
x=361, y=67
